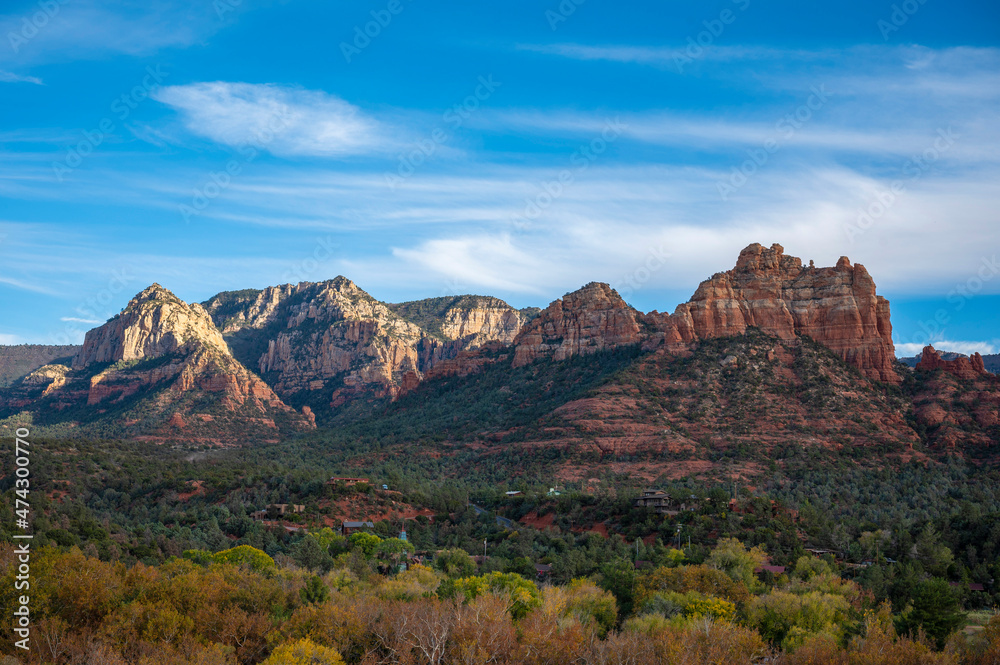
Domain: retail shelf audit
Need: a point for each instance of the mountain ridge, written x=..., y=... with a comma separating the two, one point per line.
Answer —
x=284, y=356
x=164, y=371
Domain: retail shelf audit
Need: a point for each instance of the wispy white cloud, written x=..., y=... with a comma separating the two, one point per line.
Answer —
x=669, y=56
x=672, y=129
x=965, y=348
x=486, y=261
x=285, y=121
x=26, y=285
x=75, y=319
x=449, y=226
x=8, y=339
x=444, y=227
x=89, y=29
x=10, y=77
x=879, y=101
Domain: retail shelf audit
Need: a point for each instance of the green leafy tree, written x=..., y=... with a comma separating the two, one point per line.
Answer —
x=935, y=609
x=315, y=591
x=733, y=558
x=523, y=595
x=393, y=550
x=366, y=542
x=807, y=567
x=786, y=619
x=244, y=555
x=455, y=563
x=201, y=557
x=521, y=565
x=311, y=554
x=586, y=600
x=330, y=541
x=619, y=578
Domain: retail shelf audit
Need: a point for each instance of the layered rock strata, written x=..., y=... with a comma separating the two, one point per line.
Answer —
x=962, y=367
x=158, y=341
x=837, y=307
x=335, y=338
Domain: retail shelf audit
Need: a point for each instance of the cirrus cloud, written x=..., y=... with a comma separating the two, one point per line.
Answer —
x=287, y=121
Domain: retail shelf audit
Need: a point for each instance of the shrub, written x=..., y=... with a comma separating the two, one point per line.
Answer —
x=304, y=652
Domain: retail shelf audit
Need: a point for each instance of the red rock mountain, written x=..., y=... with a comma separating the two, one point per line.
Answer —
x=330, y=342
x=321, y=345
x=962, y=367
x=165, y=368
x=958, y=401
x=590, y=319
x=837, y=307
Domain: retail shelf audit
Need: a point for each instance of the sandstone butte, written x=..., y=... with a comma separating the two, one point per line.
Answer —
x=963, y=368
x=837, y=307
x=156, y=324
x=336, y=341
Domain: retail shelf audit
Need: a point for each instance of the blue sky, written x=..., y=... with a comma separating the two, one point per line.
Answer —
x=516, y=149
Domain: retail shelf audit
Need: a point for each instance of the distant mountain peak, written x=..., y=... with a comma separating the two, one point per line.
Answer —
x=592, y=318
x=154, y=323
x=964, y=367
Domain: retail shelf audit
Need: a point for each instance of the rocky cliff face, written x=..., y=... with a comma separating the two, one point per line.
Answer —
x=473, y=320
x=959, y=405
x=961, y=366
x=155, y=323
x=170, y=354
x=837, y=307
x=332, y=341
x=991, y=362
x=341, y=332
x=319, y=345
x=591, y=319
x=329, y=337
